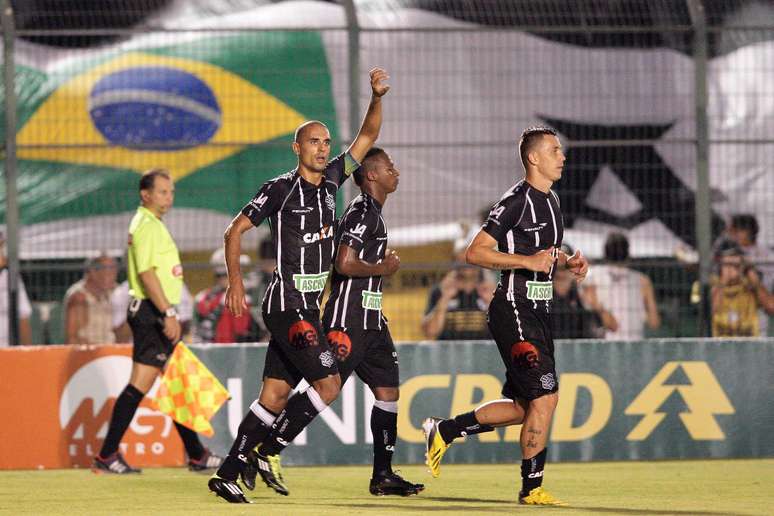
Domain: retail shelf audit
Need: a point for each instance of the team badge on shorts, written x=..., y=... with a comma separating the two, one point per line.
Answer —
x=547, y=381
x=524, y=355
x=341, y=344
x=326, y=358
x=302, y=335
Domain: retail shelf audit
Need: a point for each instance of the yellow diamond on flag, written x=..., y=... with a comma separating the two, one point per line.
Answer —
x=200, y=397
x=140, y=111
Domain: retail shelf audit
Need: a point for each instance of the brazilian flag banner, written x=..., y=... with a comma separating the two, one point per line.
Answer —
x=218, y=110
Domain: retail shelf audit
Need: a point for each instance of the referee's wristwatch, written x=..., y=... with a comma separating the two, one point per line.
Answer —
x=170, y=312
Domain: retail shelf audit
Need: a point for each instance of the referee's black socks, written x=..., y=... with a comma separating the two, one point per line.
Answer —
x=299, y=412
x=123, y=412
x=193, y=446
x=464, y=424
x=384, y=429
x=532, y=472
x=253, y=429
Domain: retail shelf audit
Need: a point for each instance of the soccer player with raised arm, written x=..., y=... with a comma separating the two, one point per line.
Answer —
x=301, y=208
x=521, y=238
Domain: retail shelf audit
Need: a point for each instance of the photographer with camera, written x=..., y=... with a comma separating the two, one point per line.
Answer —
x=737, y=295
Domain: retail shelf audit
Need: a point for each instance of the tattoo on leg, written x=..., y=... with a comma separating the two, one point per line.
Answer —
x=531, y=442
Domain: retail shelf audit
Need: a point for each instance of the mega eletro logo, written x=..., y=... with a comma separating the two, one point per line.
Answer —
x=85, y=407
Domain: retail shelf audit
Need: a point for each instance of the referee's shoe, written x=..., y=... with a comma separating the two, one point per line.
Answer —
x=227, y=489
x=114, y=463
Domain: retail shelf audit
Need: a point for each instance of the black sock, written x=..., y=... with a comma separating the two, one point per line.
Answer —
x=253, y=429
x=300, y=411
x=193, y=446
x=464, y=424
x=384, y=428
x=532, y=472
x=123, y=412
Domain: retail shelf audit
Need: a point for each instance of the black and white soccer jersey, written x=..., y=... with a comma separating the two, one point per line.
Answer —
x=301, y=216
x=525, y=221
x=357, y=302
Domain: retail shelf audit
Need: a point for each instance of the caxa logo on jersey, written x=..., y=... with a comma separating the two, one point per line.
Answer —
x=341, y=344
x=322, y=234
x=302, y=335
x=141, y=110
x=524, y=355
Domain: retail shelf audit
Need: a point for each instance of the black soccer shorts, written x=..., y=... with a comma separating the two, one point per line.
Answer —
x=370, y=354
x=523, y=336
x=298, y=347
x=151, y=346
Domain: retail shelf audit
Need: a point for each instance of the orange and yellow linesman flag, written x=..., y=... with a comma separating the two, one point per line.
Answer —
x=189, y=393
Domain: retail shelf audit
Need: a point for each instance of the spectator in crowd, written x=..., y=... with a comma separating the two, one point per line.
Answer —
x=119, y=301
x=737, y=295
x=578, y=314
x=456, y=307
x=88, y=312
x=211, y=321
x=743, y=230
x=23, y=305
x=626, y=293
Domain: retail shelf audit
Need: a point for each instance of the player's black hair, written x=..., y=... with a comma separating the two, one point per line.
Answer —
x=616, y=247
x=148, y=178
x=746, y=222
x=366, y=164
x=529, y=137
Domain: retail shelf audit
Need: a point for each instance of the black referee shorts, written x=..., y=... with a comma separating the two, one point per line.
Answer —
x=370, y=354
x=298, y=347
x=151, y=346
x=523, y=337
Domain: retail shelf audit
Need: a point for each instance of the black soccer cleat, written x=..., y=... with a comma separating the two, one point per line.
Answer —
x=227, y=489
x=390, y=483
x=250, y=470
x=270, y=469
x=207, y=461
x=114, y=464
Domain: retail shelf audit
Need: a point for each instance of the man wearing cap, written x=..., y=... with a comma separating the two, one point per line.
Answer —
x=212, y=322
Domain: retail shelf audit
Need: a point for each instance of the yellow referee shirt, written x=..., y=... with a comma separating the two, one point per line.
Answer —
x=151, y=246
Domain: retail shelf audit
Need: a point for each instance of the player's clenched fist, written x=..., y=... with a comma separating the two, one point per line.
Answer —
x=542, y=261
x=378, y=76
x=391, y=262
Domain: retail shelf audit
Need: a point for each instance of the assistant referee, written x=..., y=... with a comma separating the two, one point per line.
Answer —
x=155, y=282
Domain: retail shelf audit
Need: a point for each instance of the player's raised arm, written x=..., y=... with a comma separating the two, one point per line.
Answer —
x=372, y=122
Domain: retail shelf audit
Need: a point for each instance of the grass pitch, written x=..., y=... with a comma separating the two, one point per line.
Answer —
x=738, y=487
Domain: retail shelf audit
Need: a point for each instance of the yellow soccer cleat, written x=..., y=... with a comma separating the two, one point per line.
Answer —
x=540, y=496
x=435, y=446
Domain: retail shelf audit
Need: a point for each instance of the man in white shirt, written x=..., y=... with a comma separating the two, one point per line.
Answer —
x=23, y=304
x=624, y=292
